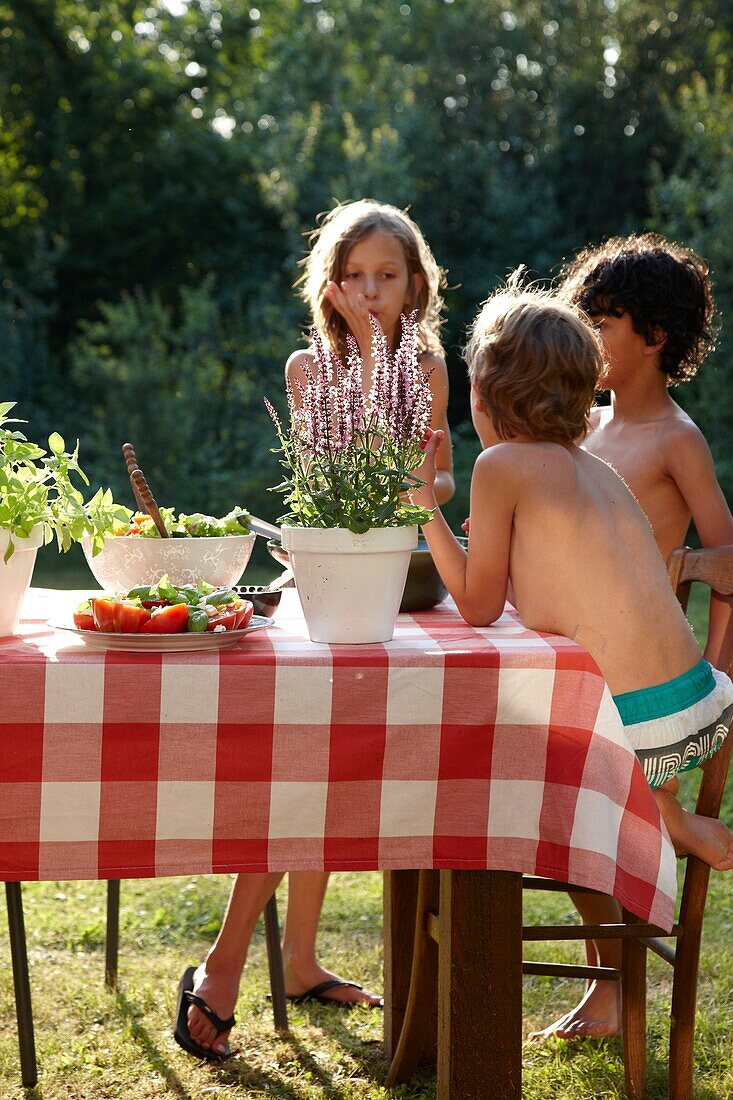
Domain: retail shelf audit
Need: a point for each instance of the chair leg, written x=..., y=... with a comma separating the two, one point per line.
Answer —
x=275, y=964
x=23, y=1006
x=112, y=936
x=633, y=1013
x=684, y=987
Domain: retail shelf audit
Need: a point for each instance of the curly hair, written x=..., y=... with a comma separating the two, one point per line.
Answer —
x=536, y=364
x=663, y=287
x=337, y=233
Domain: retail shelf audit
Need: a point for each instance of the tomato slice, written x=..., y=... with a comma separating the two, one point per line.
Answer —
x=129, y=618
x=83, y=618
x=103, y=613
x=172, y=619
x=232, y=616
x=244, y=613
x=118, y=616
x=226, y=618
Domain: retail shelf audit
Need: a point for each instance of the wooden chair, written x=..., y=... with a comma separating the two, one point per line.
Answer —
x=19, y=956
x=714, y=568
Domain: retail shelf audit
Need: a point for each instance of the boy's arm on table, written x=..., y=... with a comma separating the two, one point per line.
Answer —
x=445, y=485
x=476, y=580
x=691, y=465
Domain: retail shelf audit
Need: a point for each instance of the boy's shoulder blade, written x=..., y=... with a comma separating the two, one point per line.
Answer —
x=516, y=457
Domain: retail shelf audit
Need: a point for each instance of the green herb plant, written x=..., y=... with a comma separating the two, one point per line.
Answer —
x=37, y=490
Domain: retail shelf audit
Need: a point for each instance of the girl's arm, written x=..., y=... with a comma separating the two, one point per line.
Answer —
x=445, y=486
x=295, y=371
x=476, y=580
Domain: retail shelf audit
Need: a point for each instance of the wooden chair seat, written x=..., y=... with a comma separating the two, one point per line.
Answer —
x=713, y=568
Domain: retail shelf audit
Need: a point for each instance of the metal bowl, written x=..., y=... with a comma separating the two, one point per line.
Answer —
x=264, y=599
x=423, y=587
x=276, y=551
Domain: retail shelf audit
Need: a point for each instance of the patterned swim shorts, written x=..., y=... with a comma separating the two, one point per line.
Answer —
x=680, y=724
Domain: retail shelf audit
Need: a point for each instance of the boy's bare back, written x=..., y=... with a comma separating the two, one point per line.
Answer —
x=583, y=561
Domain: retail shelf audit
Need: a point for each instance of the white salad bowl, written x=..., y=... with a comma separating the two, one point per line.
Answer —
x=126, y=561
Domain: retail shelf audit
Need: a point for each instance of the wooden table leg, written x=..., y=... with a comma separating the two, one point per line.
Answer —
x=400, y=901
x=112, y=935
x=480, y=986
x=23, y=1007
x=418, y=1037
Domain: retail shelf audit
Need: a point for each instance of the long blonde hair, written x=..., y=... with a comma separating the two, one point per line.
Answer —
x=336, y=234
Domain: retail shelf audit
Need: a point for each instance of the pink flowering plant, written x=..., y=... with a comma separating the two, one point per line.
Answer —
x=349, y=457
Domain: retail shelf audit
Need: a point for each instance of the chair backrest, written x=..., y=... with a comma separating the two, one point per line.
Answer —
x=713, y=567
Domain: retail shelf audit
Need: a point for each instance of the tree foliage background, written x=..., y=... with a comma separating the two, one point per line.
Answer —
x=162, y=161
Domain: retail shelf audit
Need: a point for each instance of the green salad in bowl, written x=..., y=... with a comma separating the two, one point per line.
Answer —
x=199, y=547
x=181, y=526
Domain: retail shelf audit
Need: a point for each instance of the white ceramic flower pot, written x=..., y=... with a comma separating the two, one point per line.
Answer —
x=350, y=586
x=15, y=576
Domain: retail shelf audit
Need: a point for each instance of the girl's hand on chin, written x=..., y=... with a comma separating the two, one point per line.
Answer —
x=353, y=309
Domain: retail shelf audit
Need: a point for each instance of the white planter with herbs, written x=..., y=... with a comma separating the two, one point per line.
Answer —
x=15, y=576
x=349, y=458
x=350, y=585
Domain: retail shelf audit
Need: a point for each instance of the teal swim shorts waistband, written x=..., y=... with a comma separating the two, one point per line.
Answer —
x=668, y=698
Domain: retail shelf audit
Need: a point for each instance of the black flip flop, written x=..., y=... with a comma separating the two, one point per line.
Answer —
x=315, y=993
x=181, y=1034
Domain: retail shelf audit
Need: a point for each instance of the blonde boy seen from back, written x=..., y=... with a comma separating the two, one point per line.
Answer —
x=564, y=529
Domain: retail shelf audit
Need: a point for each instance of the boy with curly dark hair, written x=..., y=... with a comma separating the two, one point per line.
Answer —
x=650, y=301
x=652, y=305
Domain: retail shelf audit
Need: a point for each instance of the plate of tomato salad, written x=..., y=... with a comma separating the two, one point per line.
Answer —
x=162, y=617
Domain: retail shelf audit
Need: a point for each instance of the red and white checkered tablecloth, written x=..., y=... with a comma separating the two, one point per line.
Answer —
x=450, y=746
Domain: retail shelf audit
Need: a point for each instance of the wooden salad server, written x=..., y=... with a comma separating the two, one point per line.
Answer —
x=131, y=463
x=138, y=479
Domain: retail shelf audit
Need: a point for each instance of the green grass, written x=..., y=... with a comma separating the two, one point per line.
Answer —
x=94, y=1044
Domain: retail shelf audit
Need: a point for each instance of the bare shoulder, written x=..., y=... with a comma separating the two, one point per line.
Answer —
x=680, y=437
x=431, y=361
x=296, y=365
x=434, y=365
x=509, y=461
x=598, y=416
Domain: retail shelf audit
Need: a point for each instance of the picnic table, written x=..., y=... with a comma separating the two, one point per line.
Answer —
x=481, y=752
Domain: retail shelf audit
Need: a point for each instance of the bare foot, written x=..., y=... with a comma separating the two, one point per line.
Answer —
x=597, y=1016
x=220, y=992
x=710, y=840
x=300, y=978
x=705, y=837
